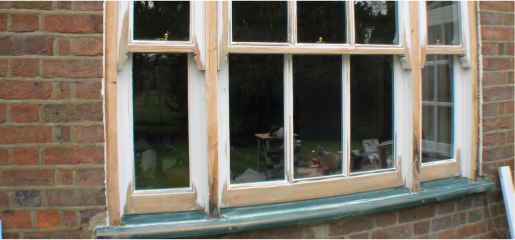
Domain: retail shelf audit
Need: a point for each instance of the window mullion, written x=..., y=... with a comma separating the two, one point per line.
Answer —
x=350, y=23
x=289, y=142
x=346, y=128
x=292, y=22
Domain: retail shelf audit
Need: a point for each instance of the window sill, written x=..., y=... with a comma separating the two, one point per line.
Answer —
x=186, y=224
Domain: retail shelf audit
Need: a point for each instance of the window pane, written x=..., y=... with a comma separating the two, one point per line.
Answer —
x=375, y=22
x=443, y=23
x=155, y=20
x=259, y=21
x=371, y=112
x=317, y=115
x=256, y=115
x=437, y=111
x=160, y=107
x=324, y=20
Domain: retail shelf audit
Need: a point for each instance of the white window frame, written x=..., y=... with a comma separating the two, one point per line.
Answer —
x=210, y=165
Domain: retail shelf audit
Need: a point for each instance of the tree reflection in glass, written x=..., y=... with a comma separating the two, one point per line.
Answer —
x=160, y=109
x=320, y=19
x=164, y=21
x=376, y=22
x=259, y=21
x=443, y=26
x=371, y=112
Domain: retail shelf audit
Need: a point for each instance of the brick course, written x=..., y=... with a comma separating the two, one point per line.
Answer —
x=50, y=184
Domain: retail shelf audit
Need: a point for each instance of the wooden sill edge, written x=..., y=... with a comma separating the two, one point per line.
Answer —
x=188, y=224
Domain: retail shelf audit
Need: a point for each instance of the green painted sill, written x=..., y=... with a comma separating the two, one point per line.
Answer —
x=187, y=224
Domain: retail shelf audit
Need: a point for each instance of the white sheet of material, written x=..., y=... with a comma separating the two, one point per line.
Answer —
x=507, y=192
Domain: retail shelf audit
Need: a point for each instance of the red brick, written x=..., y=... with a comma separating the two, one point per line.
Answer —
x=63, y=90
x=74, y=155
x=350, y=225
x=72, y=68
x=66, y=177
x=69, y=218
x=421, y=227
x=386, y=219
x=490, y=139
x=497, y=153
x=86, y=215
x=496, y=94
x=358, y=236
x=36, y=45
x=495, y=64
x=66, y=5
x=4, y=67
x=470, y=230
x=509, y=137
x=24, y=22
x=446, y=207
x=490, y=109
x=3, y=113
x=74, y=23
x=64, y=134
x=11, y=235
x=88, y=6
x=89, y=134
x=64, y=46
x=32, y=177
x=494, y=5
x=90, y=177
x=25, y=67
x=501, y=138
x=30, y=198
x=72, y=112
x=15, y=219
x=500, y=34
x=88, y=90
x=393, y=232
x=25, y=90
x=499, y=123
x=4, y=199
x=487, y=18
x=24, y=113
x=54, y=235
x=47, y=219
x=4, y=156
x=510, y=107
x=500, y=49
x=25, y=156
x=474, y=216
x=25, y=134
x=488, y=49
x=3, y=21
x=278, y=233
x=33, y=5
x=412, y=214
x=76, y=197
x=6, y=4
x=509, y=49
x=464, y=203
x=450, y=221
x=447, y=234
x=501, y=108
x=88, y=47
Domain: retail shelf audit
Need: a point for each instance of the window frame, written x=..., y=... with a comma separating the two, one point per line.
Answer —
x=210, y=47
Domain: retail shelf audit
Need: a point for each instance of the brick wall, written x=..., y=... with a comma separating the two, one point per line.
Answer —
x=51, y=130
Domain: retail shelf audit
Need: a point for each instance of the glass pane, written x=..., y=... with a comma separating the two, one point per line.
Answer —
x=443, y=27
x=376, y=22
x=317, y=115
x=160, y=106
x=259, y=21
x=371, y=112
x=256, y=115
x=163, y=21
x=437, y=111
x=321, y=22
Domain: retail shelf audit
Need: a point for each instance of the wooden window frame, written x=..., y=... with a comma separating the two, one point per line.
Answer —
x=210, y=45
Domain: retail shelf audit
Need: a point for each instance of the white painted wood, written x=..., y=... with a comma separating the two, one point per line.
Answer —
x=351, y=39
x=346, y=91
x=224, y=181
x=508, y=196
x=289, y=143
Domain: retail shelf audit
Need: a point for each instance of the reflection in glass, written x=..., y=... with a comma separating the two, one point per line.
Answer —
x=256, y=116
x=160, y=107
x=320, y=19
x=163, y=21
x=259, y=21
x=375, y=22
x=443, y=27
x=371, y=112
x=317, y=114
x=437, y=108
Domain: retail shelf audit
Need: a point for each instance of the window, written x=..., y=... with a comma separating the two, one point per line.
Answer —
x=231, y=104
